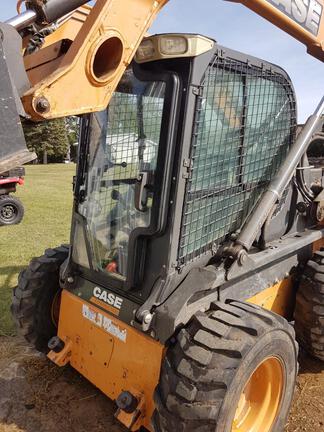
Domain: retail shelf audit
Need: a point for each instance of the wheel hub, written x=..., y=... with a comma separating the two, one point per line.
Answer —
x=260, y=400
x=8, y=212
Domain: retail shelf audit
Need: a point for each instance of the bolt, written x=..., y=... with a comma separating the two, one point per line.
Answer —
x=70, y=279
x=56, y=344
x=42, y=105
x=147, y=318
x=127, y=402
x=242, y=257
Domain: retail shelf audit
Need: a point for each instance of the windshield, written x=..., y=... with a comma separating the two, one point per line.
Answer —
x=119, y=193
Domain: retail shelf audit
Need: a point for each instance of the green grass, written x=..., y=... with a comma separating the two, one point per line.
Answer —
x=47, y=198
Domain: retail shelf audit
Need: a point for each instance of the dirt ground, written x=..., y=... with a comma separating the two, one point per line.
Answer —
x=36, y=396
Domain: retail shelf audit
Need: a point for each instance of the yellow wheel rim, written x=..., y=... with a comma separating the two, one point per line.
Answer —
x=260, y=400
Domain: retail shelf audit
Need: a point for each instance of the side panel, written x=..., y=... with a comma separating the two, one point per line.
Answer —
x=110, y=354
x=279, y=298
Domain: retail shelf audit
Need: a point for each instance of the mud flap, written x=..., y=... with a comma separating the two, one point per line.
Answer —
x=13, y=83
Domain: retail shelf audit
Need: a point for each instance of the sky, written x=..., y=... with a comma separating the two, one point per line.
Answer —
x=236, y=27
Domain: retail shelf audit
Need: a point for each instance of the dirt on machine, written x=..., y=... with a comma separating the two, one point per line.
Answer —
x=196, y=262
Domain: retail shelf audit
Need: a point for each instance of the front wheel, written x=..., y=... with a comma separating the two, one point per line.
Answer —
x=11, y=210
x=233, y=369
x=36, y=299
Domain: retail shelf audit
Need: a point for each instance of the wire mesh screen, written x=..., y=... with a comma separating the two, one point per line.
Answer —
x=245, y=122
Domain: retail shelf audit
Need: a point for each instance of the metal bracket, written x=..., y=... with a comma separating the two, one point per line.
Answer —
x=131, y=416
x=241, y=265
x=197, y=90
x=63, y=357
x=188, y=165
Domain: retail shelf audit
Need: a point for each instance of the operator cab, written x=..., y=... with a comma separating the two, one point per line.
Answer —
x=177, y=161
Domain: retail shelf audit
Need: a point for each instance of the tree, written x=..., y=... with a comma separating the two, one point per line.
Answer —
x=48, y=139
x=72, y=126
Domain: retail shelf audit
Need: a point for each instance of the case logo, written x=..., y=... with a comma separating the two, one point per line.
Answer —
x=107, y=297
x=307, y=13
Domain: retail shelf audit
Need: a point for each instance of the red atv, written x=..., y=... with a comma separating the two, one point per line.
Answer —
x=11, y=208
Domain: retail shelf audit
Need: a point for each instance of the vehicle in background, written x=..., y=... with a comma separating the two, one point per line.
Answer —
x=11, y=208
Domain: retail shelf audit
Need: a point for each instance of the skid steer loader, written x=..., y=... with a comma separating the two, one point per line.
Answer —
x=197, y=229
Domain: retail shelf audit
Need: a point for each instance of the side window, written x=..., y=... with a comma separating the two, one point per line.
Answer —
x=219, y=121
x=243, y=130
x=268, y=117
x=124, y=145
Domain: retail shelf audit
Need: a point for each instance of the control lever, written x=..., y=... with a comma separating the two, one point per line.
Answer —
x=141, y=191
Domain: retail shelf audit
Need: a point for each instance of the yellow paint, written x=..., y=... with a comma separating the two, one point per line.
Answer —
x=96, y=60
x=259, y=402
x=108, y=362
x=124, y=24
x=279, y=298
x=318, y=244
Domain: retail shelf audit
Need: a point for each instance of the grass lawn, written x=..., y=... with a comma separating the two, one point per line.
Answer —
x=47, y=198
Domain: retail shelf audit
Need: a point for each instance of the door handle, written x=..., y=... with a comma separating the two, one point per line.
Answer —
x=141, y=191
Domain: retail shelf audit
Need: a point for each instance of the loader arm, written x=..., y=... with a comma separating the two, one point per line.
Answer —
x=94, y=46
x=78, y=68
x=302, y=19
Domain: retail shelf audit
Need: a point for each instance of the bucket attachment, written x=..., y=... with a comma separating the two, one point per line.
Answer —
x=13, y=84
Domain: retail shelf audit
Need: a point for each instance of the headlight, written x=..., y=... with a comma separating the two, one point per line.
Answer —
x=173, y=45
x=146, y=50
x=160, y=47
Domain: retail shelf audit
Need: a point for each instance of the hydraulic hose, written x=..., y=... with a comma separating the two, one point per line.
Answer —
x=52, y=10
x=44, y=13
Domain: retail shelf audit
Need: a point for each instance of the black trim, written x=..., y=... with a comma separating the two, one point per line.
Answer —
x=138, y=238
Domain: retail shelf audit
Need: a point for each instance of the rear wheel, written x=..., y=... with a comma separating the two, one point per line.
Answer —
x=233, y=369
x=36, y=299
x=11, y=210
x=309, y=311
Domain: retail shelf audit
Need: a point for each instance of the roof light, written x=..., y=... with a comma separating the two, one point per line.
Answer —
x=146, y=50
x=173, y=45
x=168, y=46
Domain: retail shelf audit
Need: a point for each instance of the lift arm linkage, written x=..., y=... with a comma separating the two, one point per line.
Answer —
x=80, y=75
x=81, y=64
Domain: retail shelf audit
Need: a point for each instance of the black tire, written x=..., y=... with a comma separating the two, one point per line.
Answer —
x=309, y=311
x=11, y=210
x=34, y=298
x=206, y=370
